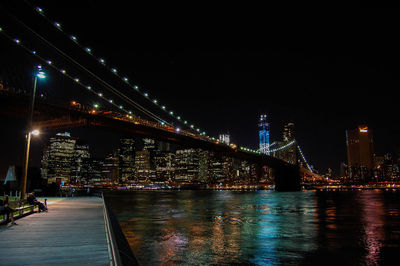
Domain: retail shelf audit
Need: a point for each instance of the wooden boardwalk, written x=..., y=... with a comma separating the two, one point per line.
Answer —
x=72, y=232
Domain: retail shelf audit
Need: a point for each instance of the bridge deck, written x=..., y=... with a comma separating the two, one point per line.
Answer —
x=72, y=232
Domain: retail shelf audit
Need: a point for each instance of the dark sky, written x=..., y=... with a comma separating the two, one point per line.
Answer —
x=223, y=67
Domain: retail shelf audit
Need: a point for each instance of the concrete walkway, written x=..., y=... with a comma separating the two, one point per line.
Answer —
x=72, y=232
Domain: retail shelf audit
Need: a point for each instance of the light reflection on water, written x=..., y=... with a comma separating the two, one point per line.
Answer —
x=227, y=227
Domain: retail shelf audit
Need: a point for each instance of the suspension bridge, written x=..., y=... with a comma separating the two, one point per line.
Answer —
x=119, y=110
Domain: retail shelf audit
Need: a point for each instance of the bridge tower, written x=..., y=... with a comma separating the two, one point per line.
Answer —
x=264, y=134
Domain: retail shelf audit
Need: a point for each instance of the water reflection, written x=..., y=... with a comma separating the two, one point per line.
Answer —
x=373, y=221
x=226, y=227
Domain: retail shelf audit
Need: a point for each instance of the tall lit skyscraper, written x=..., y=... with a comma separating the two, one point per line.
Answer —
x=80, y=165
x=58, y=159
x=264, y=134
x=290, y=153
x=142, y=166
x=360, y=150
x=127, y=159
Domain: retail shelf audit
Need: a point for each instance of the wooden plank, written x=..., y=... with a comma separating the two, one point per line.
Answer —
x=72, y=232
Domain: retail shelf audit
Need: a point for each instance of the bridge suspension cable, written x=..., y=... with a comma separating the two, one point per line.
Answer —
x=104, y=83
x=304, y=158
x=287, y=145
x=114, y=70
x=52, y=65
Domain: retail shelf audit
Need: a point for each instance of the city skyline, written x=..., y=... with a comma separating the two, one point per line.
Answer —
x=323, y=89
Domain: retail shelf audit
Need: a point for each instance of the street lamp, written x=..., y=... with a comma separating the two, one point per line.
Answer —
x=39, y=73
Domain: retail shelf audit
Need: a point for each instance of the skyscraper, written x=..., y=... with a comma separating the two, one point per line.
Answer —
x=80, y=161
x=288, y=154
x=58, y=159
x=187, y=165
x=110, y=170
x=224, y=138
x=288, y=132
x=126, y=159
x=264, y=134
x=142, y=166
x=360, y=150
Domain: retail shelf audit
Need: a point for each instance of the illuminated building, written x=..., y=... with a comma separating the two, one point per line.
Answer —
x=187, y=165
x=360, y=150
x=142, y=166
x=164, y=162
x=58, y=159
x=80, y=163
x=288, y=154
x=151, y=146
x=217, y=171
x=94, y=174
x=110, y=170
x=204, y=166
x=126, y=159
x=264, y=134
x=288, y=132
x=225, y=138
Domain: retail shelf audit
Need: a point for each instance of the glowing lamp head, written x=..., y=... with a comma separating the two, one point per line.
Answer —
x=40, y=73
x=35, y=132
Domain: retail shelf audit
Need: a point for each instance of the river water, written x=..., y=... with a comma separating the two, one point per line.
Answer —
x=261, y=228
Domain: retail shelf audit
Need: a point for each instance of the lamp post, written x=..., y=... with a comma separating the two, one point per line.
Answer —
x=39, y=73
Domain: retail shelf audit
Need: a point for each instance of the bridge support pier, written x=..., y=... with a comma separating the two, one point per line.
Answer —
x=287, y=178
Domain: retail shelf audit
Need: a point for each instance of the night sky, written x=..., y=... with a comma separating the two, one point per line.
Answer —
x=222, y=67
